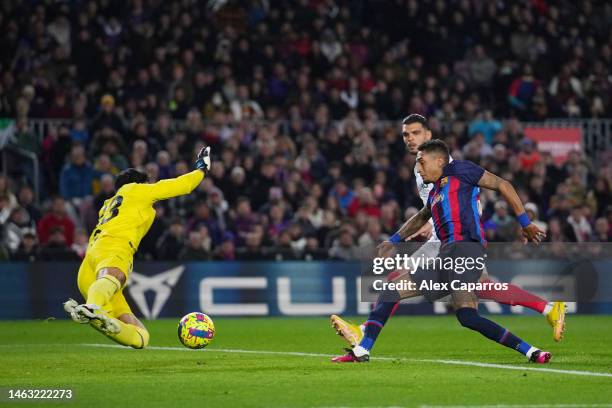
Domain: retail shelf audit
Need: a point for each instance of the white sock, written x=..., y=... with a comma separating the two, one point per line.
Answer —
x=359, y=351
x=548, y=308
x=531, y=351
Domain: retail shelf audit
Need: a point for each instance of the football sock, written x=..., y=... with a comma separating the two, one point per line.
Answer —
x=377, y=319
x=129, y=335
x=101, y=291
x=470, y=318
x=515, y=296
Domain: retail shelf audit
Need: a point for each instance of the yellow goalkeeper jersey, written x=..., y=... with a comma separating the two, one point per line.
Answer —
x=128, y=215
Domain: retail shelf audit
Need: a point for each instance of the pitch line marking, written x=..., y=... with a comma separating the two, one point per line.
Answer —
x=415, y=360
x=492, y=406
x=521, y=406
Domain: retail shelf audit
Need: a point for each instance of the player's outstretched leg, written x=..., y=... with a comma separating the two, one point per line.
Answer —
x=350, y=332
x=98, y=293
x=470, y=318
x=107, y=310
x=376, y=320
x=516, y=296
x=131, y=331
x=361, y=338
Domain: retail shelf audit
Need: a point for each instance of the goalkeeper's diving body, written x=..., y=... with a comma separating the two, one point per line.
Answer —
x=124, y=220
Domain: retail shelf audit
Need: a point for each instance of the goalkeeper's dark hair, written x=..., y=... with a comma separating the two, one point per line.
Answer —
x=416, y=118
x=128, y=176
x=435, y=146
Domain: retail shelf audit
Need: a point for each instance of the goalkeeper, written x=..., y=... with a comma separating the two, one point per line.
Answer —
x=124, y=219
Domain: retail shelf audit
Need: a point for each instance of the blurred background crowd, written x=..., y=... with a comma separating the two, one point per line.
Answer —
x=302, y=103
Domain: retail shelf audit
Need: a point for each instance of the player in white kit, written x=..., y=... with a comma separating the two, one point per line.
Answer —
x=415, y=131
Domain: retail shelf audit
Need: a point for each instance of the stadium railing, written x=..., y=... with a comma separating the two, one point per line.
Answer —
x=596, y=135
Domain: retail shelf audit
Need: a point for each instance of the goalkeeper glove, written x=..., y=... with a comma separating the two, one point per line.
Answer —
x=203, y=160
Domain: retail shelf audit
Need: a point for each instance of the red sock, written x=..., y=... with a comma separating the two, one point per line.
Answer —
x=394, y=309
x=514, y=296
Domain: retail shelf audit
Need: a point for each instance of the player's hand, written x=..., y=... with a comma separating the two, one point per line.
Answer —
x=533, y=233
x=425, y=232
x=386, y=249
x=203, y=159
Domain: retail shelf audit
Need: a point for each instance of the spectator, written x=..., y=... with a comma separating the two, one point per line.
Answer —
x=203, y=218
x=194, y=251
x=26, y=201
x=319, y=151
x=528, y=156
x=344, y=248
x=171, y=243
x=56, y=248
x=342, y=194
x=277, y=223
x=79, y=133
x=522, y=90
x=18, y=225
x=226, y=251
x=532, y=212
x=486, y=125
x=107, y=118
x=244, y=221
x=5, y=190
x=373, y=236
x=364, y=202
x=482, y=69
x=5, y=209
x=579, y=223
x=56, y=220
x=504, y=223
x=560, y=232
x=148, y=246
x=283, y=250
x=81, y=241
x=565, y=86
x=24, y=137
x=107, y=190
x=602, y=231
x=312, y=250
x=253, y=249
x=599, y=196
x=28, y=249
x=77, y=176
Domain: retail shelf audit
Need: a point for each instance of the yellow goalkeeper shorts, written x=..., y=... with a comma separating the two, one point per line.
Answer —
x=107, y=253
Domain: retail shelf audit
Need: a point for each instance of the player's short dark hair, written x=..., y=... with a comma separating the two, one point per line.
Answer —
x=416, y=118
x=128, y=176
x=435, y=146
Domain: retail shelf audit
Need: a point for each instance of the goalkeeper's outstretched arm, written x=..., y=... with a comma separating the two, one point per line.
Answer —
x=181, y=185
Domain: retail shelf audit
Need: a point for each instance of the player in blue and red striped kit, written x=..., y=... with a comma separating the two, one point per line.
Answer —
x=453, y=205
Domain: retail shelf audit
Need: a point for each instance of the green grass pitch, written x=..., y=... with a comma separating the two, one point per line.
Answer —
x=58, y=354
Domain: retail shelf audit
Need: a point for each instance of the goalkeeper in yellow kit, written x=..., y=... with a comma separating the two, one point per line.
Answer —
x=123, y=220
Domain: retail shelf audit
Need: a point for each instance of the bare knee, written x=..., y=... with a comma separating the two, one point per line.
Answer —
x=114, y=272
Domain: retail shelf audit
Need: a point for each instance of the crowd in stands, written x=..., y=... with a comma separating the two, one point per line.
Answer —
x=301, y=103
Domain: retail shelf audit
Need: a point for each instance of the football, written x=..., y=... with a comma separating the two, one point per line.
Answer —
x=196, y=330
